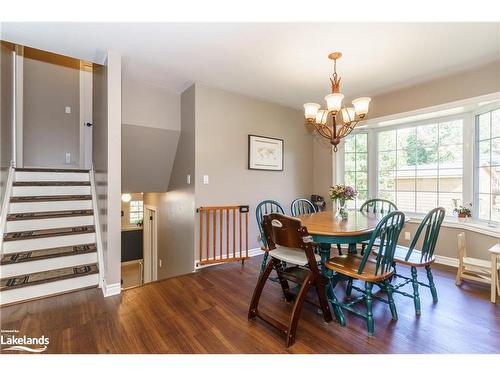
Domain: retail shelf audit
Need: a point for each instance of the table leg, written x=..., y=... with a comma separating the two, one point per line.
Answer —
x=324, y=252
x=494, y=275
x=352, y=248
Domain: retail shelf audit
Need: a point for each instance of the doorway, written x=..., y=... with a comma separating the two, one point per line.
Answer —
x=150, y=244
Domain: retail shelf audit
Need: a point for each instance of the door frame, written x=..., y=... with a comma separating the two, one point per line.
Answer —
x=85, y=69
x=151, y=259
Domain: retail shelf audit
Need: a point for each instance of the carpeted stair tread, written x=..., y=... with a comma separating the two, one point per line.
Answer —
x=50, y=198
x=37, y=278
x=55, y=252
x=63, y=170
x=48, y=215
x=51, y=183
x=53, y=232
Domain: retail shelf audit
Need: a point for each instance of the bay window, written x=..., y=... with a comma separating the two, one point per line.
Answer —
x=421, y=167
x=356, y=167
x=487, y=166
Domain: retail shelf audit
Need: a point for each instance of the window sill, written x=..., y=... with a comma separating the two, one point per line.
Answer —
x=473, y=225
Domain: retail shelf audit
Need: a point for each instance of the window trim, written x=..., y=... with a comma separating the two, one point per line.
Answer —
x=475, y=163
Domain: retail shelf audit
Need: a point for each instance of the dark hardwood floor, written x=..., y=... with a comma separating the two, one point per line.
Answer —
x=206, y=312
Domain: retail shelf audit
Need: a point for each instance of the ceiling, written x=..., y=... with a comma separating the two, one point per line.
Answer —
x=280, y=62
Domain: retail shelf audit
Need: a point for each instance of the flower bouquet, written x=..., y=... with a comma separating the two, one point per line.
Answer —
x=339, y=194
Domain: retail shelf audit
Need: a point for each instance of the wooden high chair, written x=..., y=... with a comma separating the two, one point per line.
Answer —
x=292, y=257
x=479, y=270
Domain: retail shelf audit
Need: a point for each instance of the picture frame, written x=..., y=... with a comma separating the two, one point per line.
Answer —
x=265, y=153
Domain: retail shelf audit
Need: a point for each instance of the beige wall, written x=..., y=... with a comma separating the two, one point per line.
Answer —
x=477, y=243
x=223, y=122
x=6, y=113
x=482, y=80
x=322, y=167
x=50, y=83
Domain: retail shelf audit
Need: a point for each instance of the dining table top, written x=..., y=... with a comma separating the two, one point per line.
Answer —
x=358, y=223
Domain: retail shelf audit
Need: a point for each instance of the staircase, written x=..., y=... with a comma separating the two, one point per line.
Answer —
x=49, y=243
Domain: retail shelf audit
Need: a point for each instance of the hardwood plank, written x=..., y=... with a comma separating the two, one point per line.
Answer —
x=206, y=312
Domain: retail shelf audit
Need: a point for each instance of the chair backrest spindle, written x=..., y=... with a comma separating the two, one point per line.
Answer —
x=266, y=207
x=378, y=205
x=387, y=233
x=432, y=225
x=302, y=206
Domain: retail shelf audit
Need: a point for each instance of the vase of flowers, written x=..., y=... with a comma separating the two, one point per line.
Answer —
x=340, y=194
x=463, y=212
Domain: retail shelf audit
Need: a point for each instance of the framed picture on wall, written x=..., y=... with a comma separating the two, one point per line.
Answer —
x=265, y=153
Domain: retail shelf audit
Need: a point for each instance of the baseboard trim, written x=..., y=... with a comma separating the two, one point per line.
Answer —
x=447, y=261
x=111, y=289
x=440, y=259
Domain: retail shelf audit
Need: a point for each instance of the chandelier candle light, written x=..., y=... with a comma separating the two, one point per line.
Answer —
x=344, y=119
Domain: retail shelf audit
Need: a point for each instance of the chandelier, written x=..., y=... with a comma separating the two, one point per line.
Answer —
x=344, y=119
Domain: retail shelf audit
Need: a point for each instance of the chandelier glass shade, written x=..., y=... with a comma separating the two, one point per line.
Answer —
x=343, y=118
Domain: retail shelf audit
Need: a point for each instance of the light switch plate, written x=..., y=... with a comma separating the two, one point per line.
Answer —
x=68, y=158
x=205, y=179
x=67, y=110
x=407, y=236
x=188, y=179
x=159, y=262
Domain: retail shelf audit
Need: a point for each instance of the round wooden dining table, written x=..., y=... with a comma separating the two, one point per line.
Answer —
x=326, y=230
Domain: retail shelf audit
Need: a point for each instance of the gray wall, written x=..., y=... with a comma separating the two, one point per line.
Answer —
x=176, y=208
x=51, y=82
x=223, y=122
x=147, y=158
x=6, y=113
x=150, y=133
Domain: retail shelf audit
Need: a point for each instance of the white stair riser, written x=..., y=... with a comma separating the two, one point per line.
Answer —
x=37, y=224
x=10, y=270
x=49, y=206
x=47, y=242
x=51, y=176
x=27, y=191
x=60, y=286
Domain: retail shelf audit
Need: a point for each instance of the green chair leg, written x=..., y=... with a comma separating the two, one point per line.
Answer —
x=337, y=311
x=432, y=286
x=369, y=303
x=348, y=290
x=416, y=296
x=392, y=305
x=264, y=262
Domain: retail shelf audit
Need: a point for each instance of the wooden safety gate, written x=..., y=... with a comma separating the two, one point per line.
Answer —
x=223, y=234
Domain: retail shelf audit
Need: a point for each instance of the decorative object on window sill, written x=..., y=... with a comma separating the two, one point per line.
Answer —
x=265, y=153
x=319, y=202
x=339, y=194
x=349, y=116
x=463, y=212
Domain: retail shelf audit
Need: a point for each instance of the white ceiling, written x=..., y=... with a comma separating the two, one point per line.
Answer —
x=280, y=62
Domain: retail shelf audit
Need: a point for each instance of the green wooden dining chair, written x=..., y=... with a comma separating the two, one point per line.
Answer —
x=266, y=207
x=370, y=268
x=424, y=258
x=302, y=206
x=376, y=205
